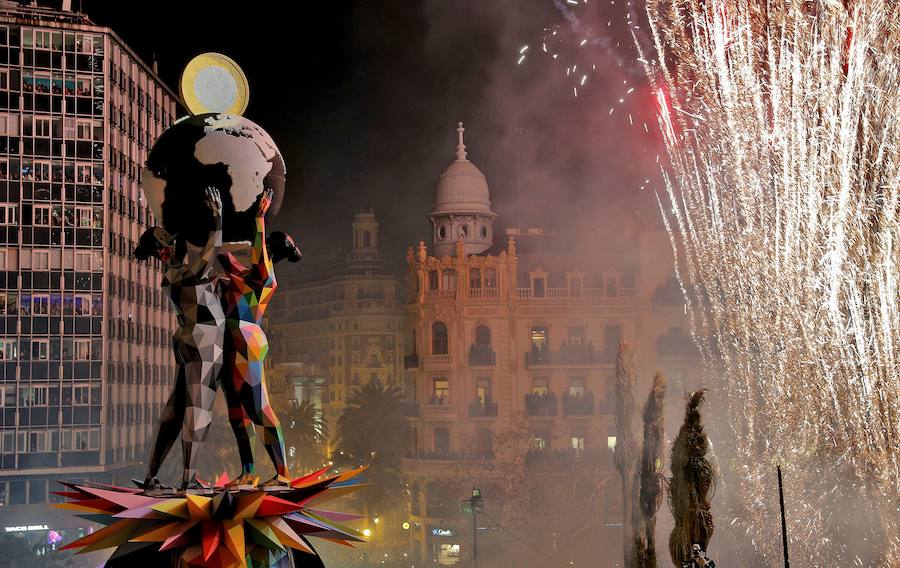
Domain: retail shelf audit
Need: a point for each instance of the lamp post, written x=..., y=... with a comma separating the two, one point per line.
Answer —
x=475, y=501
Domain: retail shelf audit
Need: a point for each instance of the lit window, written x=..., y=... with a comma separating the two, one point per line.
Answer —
x=611, y=442
x=40, y=304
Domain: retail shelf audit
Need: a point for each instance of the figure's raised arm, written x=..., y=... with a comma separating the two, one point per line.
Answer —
x=200, y=265
x=259, y=255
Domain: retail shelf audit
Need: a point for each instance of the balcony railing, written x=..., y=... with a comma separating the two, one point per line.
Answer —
x=437, y=362
x=578, y=404
x=482, y=356
x=440, y=294
x=541, y=404
x=485, y=409
x=483, y=293
x=437, y=412
x=574, y=293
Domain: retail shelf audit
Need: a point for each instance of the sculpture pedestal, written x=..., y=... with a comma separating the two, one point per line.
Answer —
x=214, y=527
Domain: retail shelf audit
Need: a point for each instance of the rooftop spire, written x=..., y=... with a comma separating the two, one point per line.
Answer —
x=461, y=147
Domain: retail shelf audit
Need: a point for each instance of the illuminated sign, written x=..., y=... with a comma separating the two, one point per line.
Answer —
x=438, y=531
x=26, y=528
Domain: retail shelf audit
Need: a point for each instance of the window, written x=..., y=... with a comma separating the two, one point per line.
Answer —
x=8, y=303
x=84, y=129
x=576, y=386
x=4, y=80
x=484, y=442
x=42, y=127
x=37, y=441
x=8, y=214
x=33, y=396
x=576, y=336
x=611, y=442
x=84, y=217
x=9, y=350
x=442, y=232
x=483, y=390
x=612, y=286
x=41, y=216
x=83, y=173
x=482, y=336
x=576, y=441
x=81, y=395
x=4, y=258
x=540, y=386
x=490, y=278
x=432, y=279
x=440, y=393
x=474, y=278
x=40, y=349
x=82, y=305
x=82, y=261
x=539, y=340
x=41, y=171
x=539, y=285
x=448, y=280
x=541, y=441
x=82, y=349
x=9, y=123
x=40, y=304
x=40, y=260
x=441, y=441
x=439, y=341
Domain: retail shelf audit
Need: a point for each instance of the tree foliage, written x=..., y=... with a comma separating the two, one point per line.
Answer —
x=650, y=478
x=692, y=485
x=626, y=444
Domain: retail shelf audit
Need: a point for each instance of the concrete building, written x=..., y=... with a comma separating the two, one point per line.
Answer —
x=512, y=372
x=336, y=323
x=84, y=329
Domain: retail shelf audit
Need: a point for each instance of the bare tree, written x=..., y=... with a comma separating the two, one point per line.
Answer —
x=626, y=442
x=692, y=485
x=650, y=476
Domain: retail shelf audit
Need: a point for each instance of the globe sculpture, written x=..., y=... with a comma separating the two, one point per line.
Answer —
x=229, y=153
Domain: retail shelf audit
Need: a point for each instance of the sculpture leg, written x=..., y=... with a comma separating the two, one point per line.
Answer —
x=241, y=425
x=169, y=425
x=251, y=348
x=201, y=373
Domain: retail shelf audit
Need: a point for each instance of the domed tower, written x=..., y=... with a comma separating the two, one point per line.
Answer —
x=462, y=207
x=365, y=233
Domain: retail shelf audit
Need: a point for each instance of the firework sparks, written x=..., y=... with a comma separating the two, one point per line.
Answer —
x=783, y=205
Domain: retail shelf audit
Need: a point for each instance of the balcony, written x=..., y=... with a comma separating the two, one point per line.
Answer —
x=482, y=356
x=570, y=460
x=575, y=355
x=438, y=412
x=574, y=293
x=411, y=361
x=578, y=404
x=543, y=404
x=485, y=409
x=412, y=410
x=437, y=362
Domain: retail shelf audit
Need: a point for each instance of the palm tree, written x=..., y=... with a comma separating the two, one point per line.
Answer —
x=305, y=434
x=626, y=444
x=373, y=431
x=693, y=484
x=650, y=477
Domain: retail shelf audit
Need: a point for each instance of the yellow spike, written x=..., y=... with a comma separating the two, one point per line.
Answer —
x=199, y=507
x=233, y=536
x=177, y=507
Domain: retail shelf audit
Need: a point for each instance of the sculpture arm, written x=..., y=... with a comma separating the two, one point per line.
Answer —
x=200, y=265
x=259, y=255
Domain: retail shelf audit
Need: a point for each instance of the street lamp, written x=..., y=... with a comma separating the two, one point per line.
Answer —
x=475, y=501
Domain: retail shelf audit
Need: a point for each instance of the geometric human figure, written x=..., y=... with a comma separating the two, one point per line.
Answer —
x=197, y=342
x=245, y=293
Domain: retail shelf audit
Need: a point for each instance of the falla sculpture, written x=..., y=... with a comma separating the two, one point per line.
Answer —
x=212, y=179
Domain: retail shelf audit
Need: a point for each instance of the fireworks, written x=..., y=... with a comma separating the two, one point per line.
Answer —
x=782, y=201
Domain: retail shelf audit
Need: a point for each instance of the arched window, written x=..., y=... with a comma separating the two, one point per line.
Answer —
x=490, y=277
x=484, y=442
x=433, y=281
x=441, y=441
x=449, y=280
x=474, y=278
x=482, y=336
x=367, y=239
x=440, y=344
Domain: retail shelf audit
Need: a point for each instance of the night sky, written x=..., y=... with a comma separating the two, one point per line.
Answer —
x=363, y=99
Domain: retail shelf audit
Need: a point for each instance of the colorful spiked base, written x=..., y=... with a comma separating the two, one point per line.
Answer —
x=248, y=527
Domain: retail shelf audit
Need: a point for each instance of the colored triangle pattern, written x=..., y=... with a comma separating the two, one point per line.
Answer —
x=241, y=528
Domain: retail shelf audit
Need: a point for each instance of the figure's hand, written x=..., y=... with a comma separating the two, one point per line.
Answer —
x=265, y=201
x=214, y=202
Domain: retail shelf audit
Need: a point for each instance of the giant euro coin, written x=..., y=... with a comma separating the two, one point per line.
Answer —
x=230, y=153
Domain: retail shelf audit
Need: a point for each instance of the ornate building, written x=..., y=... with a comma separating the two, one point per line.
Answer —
x=337, y=323
x=511, y=376
x=85, y=338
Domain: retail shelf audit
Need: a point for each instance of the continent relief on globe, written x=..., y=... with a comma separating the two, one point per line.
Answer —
x=230, y=153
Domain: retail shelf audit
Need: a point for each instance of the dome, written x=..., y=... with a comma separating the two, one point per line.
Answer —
x=462, y=188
